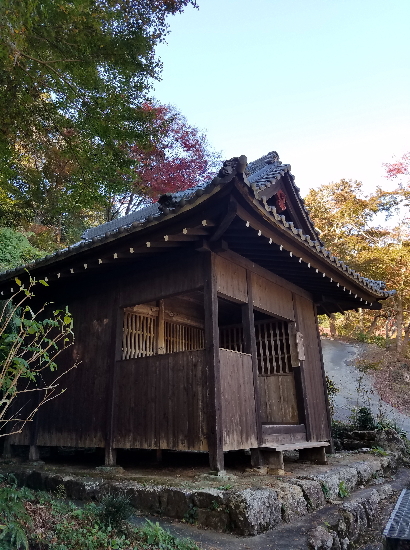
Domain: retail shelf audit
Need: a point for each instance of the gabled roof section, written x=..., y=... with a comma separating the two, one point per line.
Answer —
x=267, y=175
x=252, y=180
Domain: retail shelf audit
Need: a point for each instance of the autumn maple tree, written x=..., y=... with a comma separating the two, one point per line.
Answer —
x=178, y=156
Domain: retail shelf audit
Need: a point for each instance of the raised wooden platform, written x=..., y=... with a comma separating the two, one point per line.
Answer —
x=271, y=454
x=294, y=446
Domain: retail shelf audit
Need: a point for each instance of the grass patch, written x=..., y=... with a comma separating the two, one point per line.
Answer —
x=43, y=521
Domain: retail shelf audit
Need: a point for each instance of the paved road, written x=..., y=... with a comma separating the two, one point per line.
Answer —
x=336, y=356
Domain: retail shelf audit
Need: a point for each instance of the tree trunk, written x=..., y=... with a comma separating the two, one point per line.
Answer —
x=399, y=324
x=372, y=327
x=332, y=325
x=129, y=205
x=406, y=338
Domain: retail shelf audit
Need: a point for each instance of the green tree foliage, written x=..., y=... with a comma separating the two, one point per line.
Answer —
x=73, y=76
x=346, y=219
x=15, y=249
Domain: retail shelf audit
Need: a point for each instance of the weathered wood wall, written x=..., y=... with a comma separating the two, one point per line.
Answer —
x=271, y=297
x=278, y=399
x=161, y=402
x=231, y=279
x=77, y=417
x=318, y=424
x=238, y=401
x=80, y=416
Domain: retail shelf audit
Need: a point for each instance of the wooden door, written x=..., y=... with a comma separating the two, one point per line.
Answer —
x=277, y=393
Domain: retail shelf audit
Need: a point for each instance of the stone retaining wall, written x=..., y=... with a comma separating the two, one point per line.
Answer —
x=245, y=512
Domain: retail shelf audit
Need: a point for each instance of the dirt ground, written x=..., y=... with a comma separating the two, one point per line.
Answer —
x=191, y=471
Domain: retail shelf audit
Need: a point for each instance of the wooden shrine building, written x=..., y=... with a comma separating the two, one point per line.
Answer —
x=196, y=323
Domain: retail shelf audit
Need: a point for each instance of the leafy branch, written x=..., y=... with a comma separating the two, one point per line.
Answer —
x=30, y=343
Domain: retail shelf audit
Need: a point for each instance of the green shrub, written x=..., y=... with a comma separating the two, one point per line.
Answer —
x=13, y=517
x=114, y=511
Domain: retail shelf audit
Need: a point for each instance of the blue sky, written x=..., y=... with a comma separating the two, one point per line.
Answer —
x=325, y=83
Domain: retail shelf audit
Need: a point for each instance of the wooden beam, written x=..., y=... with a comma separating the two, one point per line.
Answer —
x=215, y=427
x=162, y=244
x=115, y=355
x=226, y=221
x=322, y=368
x=180, y=237
x=248, y=323
x=200, y=231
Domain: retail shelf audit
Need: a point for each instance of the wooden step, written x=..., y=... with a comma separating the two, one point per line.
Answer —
x=294, y=446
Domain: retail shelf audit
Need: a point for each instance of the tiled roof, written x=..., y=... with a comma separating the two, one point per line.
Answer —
x=261, y=172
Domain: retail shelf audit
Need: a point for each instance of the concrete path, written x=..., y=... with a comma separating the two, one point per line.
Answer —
x=336, y=357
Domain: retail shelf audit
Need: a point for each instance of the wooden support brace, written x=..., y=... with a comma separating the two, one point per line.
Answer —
x=110, y=456
x=317, y=455
x=7, y=450
x=33, y=453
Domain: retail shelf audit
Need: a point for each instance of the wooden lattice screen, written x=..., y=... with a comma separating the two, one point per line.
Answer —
x=140, y=336
x=182, y=338
x=272, y=345
x=231, y=338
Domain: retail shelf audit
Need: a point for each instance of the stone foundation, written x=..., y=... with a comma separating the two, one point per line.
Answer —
x=245, y=512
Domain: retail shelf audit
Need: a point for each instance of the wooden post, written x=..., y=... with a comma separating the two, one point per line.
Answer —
x=331, y=448
x=215, y=428
x=7, y=450
x=248, y=323
x=115, y=355
x=300, y=386
x=34, y=453
x=161, y=328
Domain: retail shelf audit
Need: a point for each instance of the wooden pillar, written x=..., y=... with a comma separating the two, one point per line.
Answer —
x=248, y=324
x=7, y=450
x=34, y=453
x=215, y=428
x=300, y=384
x=115, y=355
x=161, y=328
x=331, y=448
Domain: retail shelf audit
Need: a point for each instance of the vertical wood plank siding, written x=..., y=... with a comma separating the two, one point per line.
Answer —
x=314, y=388
x=278, y=399
x=161, y=402
x=231, y=279
x=78, y=417
x=238, y=401
x=272, y=298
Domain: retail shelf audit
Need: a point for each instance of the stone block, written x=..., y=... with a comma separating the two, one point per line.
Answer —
x=175, y=503
x=312, y=492
x=355, y=518
x=207, y=498
x=293, y=502
x=321, y=538
x=218, y=520
x=254, y=511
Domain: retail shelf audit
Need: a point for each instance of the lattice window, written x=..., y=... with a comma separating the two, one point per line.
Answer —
x=180, y=337
x=139, y=335
x=273, y=347
x=231, y=337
